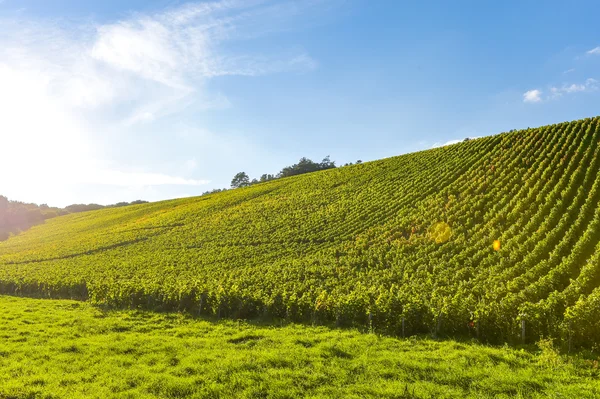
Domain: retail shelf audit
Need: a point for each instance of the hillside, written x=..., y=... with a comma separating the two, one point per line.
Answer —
x=403, y=245
x=16, y=216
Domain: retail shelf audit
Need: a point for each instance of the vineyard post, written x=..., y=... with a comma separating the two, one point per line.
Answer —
x=570, y=337
x=314, y=311
x=403, y=330
x=522, y=315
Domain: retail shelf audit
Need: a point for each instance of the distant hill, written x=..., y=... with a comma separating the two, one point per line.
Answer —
x=17, y=216
x=496, y=238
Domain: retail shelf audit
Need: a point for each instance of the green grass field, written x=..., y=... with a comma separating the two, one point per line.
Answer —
x=69, y=349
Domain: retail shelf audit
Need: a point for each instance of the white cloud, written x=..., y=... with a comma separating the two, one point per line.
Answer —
x=532, y=96
x=592, y=84
x=128, y=178
x=594, y=51
x=143, y=47
x=555, y=92
x=65, y=88
x=451, y=142
x=304, y=62
x=181, y=44
x=588, y=86
x=574, y=88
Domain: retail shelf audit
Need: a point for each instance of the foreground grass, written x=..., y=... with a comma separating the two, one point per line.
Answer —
x=56, y=349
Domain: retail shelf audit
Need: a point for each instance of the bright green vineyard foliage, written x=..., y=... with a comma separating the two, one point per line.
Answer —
x=402, y=245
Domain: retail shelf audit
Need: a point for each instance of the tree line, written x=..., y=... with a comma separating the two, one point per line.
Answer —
x=17, y=216
x=304, y=165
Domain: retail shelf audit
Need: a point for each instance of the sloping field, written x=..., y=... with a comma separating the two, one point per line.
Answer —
x=402, y=245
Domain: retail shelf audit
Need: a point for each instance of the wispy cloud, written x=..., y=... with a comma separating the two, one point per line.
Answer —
x=65, y=87
x=594, y=51
x=554, y=92
x=128, y=178
x=455, y=141
x=449, y=142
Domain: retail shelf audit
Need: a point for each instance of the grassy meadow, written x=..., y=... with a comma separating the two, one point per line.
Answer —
x=71, y=349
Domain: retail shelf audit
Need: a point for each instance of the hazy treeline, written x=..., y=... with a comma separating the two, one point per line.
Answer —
x=17, y=216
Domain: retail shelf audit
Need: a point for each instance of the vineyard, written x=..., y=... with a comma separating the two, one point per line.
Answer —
x=496, y=238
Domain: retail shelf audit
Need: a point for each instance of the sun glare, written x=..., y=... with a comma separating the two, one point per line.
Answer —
x=45, y=143
x=496, y=245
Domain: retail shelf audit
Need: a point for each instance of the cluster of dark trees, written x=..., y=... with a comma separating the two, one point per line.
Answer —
x=16, y=216
x=305, y=165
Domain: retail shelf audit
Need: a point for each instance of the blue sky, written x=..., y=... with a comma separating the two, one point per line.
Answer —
x=122, y=100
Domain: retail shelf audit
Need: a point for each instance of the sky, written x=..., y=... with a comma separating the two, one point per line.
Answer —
x=119, y=100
